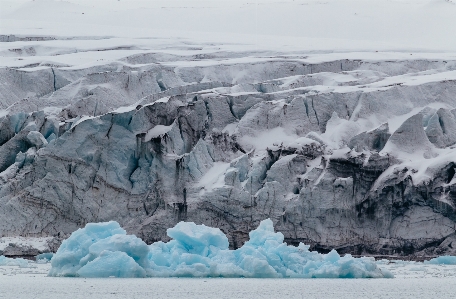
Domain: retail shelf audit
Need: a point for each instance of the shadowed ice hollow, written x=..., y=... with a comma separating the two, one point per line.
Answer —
x=105, y=250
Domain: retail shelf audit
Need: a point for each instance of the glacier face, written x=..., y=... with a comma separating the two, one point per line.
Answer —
x=350, y=153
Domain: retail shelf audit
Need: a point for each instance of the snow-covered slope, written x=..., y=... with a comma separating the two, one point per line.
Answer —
x=293, y=24
x=335, y=119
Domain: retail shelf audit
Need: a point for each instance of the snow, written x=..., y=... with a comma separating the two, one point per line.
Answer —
x=89, y=33
x=420, y=168
x=84, y=118
x=104, y=250
x=230, y=128
x=338, y=130
x=343, y=24
x=162, y=100
x=214, y=177
x=33, y=242
x=157, y=131
x=302, y=141
x=396, y=121
x=268, y=138
x=124, y=109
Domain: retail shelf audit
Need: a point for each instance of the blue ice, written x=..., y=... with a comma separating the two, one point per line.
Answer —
x=44, y=257
x=443, y=260
x=105, y=250
x=19, y=262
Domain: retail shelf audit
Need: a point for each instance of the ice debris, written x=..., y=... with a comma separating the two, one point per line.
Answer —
x=105, y=250
x=443, y=260
x=44, y=257
x=19, y=262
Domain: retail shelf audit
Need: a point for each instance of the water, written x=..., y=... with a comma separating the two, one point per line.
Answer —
x=412, y=281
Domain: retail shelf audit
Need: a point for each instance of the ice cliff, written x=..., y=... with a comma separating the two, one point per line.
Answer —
x=104, y=250
x=348, y=151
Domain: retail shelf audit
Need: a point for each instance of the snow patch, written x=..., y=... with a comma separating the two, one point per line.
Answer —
x=214, y=177
x=38, y=243
x=266, y=139
x=158, y=130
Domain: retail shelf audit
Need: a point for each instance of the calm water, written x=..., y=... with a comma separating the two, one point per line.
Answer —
x=412, y=281
x=50, y=288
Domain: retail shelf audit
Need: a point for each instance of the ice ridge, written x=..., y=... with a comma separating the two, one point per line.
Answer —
x=105, y=250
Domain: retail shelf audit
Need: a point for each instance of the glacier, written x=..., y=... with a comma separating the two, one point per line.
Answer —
x=344, y=138
x=346, y=167
x=105, y=250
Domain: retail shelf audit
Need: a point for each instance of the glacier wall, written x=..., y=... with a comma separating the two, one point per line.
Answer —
x=344, y=153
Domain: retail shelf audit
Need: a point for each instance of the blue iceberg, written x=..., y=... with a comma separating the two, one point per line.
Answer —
x=112, y=264
x=105, y=250
x=90, y=248
x=18, y=262
x=44, y=257
x=443, y=260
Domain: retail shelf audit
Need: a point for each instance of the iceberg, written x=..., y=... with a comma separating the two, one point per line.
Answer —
x=443, y=260
x=105, y=250
x=19, y=262
x=44, y=257
x=112, y=264
x=87, y=244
